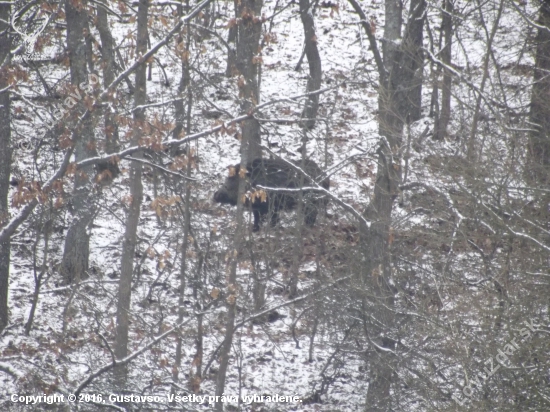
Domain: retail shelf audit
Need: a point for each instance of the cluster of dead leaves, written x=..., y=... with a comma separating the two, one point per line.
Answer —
x=163, y=205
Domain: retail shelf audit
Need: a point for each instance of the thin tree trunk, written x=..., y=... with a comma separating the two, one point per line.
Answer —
x=183, y=270
x=77, y=243
x=538, y=168
x=108, y=64
x=180, y=126
x=249, y=30
x=231, y=54
x=179, y=105
x=471, y=141
x=136, y=192
x=258, y=292
x=231, y=302
x=232, y=287
x=442, y=122
x=5, y=158
x=39, y=272
x=314, y=60
x=435, y=72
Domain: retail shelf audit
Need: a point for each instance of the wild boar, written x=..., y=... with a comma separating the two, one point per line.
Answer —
x=273, y=173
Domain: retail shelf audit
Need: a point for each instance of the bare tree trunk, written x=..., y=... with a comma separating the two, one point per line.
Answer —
x=108, y=64
x=258, y=292
x=136, y=191
x=231, y=54
x=435, y=72
x=5, y=158
x=232, y=286
x=377, y=266
x=314, y=60
x=248, y=41
x=414, y=34
x=77, y=243
x=393, y=10
x=442, y=121
x=183, y=269
x=180, y=125
x=538, y=168
x=395, y=109
x=472, y=155
x=39, y=272
x=396, y=73
x=231, y=301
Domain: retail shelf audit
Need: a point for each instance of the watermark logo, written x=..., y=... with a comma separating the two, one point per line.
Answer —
x=502, y=359
x=26, y=49
x=61, y=110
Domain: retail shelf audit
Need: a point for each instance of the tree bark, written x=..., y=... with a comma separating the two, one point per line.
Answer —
x=396, y=76
x=249, y=28
x=231, y=53
x=181, y=125
x=108, y=65
x=314, y=61
x=77, y=243
x=394, y=108
x=377, y=266
x=231, y=298
x=393, y=10
x=179, y=105
x=414, y=56
x=442, y=120
x=136, y=192
x=538, y=168
x=5, y=159
x=232, y=286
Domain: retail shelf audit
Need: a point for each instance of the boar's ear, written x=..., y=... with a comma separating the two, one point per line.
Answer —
x=234, y=170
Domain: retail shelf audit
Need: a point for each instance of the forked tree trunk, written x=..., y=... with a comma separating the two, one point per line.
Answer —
x=5, y=158
x=396, y=72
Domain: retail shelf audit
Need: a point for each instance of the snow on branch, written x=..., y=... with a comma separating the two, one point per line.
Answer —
x=14, y=223
x=316, y=188
x=178, y=142
x=15, y=373
x=98, y=372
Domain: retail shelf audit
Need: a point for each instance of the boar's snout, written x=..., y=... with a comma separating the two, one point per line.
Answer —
x=219, y=196
x=222, y=196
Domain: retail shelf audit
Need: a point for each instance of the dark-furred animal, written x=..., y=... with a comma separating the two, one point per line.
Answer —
x=274, y=173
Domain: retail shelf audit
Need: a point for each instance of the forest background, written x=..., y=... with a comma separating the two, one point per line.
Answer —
x=422, y=286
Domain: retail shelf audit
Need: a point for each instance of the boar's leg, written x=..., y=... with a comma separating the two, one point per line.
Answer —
x=257, y=221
